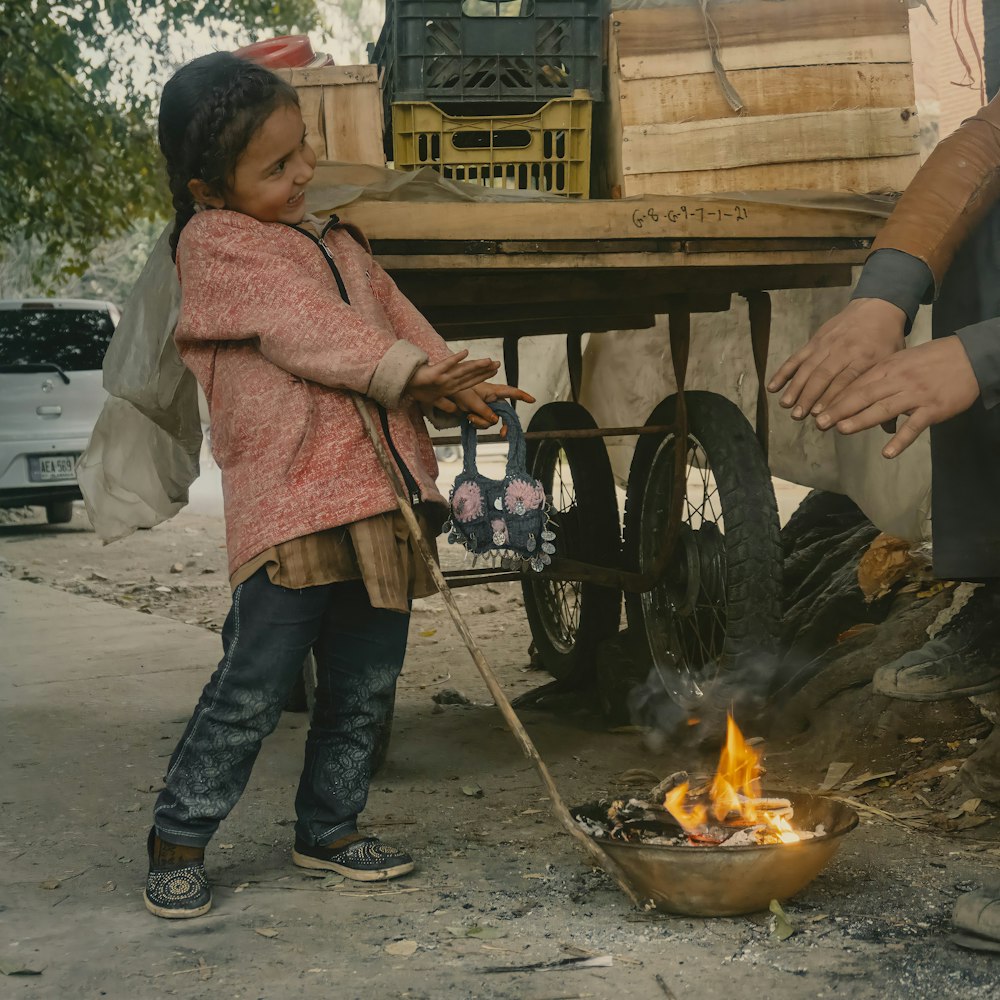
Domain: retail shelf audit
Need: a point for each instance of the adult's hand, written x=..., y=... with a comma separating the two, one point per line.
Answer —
x=454, y=374
x=863, y=333
x=928, y=383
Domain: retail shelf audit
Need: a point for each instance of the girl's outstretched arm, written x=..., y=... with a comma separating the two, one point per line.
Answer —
x=433, y=384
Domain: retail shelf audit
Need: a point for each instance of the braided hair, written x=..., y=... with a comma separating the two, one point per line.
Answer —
x=210, y=109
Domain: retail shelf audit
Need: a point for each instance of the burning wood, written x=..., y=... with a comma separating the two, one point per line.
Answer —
x=728, y=811
x=731, y=803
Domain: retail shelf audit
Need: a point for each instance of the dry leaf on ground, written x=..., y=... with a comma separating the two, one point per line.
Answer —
x=402, y=949
x=10, y=967
x=886, y=561
x=864, y=779
x=835, y=774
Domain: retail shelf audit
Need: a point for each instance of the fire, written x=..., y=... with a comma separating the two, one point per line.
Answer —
x=732, y=799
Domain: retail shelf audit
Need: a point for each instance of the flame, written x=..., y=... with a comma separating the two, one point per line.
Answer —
x=732, y=799
x=676, y=804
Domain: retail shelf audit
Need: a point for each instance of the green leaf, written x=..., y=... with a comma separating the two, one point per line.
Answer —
x=782, y=928
x=79, y=163
x=485, y=933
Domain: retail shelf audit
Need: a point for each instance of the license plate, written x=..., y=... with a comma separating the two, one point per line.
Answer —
x=50, y=468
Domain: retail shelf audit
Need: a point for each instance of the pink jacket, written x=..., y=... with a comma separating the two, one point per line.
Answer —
x=275, y=347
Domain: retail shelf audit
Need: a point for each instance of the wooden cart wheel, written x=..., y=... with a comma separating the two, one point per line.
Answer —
x=719, y=600
x=303, y=699
x=569, y=619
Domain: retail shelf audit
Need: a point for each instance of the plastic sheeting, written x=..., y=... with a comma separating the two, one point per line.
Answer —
x=143, y=453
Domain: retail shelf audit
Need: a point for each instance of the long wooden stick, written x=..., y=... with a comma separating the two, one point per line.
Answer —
x=502, y=702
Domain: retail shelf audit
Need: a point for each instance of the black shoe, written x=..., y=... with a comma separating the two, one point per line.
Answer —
x=366, y=859
x=976, y=918
x=962, y=660
x=176, y=887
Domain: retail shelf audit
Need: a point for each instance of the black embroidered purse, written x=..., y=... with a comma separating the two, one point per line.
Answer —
x=506, y=518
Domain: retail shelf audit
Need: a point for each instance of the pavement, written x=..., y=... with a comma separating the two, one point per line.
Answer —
x=86, y=692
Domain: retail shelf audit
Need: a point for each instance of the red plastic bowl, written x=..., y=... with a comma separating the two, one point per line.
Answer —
x=285, y=52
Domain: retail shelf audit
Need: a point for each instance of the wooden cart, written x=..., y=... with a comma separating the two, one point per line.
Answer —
x=699, y=558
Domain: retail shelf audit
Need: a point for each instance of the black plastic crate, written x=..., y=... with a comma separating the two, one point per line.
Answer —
x=468, y=51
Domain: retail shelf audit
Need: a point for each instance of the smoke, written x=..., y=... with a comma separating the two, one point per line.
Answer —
x=681, y=709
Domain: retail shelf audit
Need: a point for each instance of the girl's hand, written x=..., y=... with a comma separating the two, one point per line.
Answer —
x=473, y=402
x=452, y=375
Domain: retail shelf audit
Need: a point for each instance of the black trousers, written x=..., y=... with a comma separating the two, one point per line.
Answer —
x=359, y=653
x=965, y=451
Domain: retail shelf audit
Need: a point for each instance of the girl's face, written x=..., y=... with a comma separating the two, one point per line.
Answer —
x=272, y=173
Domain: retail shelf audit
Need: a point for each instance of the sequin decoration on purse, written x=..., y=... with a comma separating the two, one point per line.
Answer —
x=507, y=518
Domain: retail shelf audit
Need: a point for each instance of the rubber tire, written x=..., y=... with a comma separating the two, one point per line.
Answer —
x=59, y=512
x=303, y=699
x=753, y=554
x=600, y=607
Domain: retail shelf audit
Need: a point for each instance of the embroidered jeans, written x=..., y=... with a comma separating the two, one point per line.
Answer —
x=268, y=632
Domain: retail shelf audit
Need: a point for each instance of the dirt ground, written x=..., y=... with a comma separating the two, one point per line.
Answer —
x=498, y=883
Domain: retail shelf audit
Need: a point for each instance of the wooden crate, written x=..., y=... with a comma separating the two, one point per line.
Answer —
x=827, y=89
x=342, y=109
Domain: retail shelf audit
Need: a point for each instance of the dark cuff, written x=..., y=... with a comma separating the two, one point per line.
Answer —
x=896, y=277
x=982, y=343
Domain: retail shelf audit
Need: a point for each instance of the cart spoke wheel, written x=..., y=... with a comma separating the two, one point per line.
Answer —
x=687, y=615
x=719, y=598
x=563, y=598
x=568, y=619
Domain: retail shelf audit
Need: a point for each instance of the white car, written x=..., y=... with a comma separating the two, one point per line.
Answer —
x=51, y=393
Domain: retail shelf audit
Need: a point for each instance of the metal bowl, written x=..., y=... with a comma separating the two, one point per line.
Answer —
x=729, y=881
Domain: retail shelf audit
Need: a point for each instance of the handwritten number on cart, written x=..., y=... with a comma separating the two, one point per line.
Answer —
x=639, y=217
x=642, y=217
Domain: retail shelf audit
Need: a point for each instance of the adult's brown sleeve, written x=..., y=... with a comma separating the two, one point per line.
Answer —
x=950, y=194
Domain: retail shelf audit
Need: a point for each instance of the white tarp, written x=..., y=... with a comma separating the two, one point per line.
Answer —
x=628, y=373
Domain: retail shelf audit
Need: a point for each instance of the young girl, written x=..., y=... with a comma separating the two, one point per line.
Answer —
x=281, y=320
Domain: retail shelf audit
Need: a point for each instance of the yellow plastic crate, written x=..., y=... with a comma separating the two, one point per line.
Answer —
x=545, y=151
